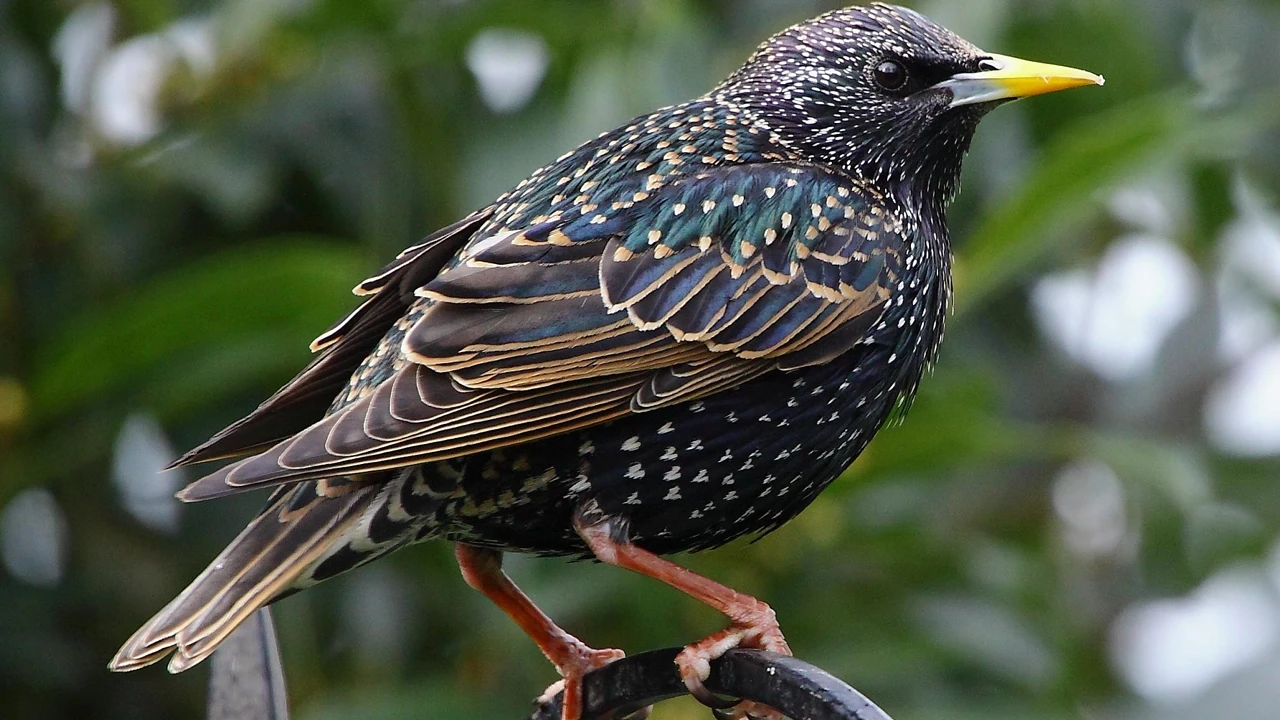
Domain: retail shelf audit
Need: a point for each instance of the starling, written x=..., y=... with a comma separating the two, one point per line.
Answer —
x=674, y=335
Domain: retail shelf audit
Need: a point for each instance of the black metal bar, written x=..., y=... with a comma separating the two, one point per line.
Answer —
x=246, y=680
x=793, y=687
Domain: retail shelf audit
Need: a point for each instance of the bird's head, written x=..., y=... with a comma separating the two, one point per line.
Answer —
x=885, y=93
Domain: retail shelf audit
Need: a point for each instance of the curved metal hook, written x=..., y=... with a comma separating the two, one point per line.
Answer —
x=791, y=686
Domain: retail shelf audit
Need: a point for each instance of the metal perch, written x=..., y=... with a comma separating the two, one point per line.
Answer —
x=247, y=683
x=796, y=688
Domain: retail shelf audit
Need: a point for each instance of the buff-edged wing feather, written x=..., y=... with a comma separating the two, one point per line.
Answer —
x=707, y=283
x=305, y=398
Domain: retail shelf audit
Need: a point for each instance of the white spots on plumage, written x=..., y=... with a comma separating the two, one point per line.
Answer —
x=631, y=444
x=727, y=479
x=697, y=407
x=702, y=476
x=731, y=496
x=670, y=455
x=678, y=209
x=673, y=493
x=635, y=472
x=581, y=486
x=731, y=417
x=632, y=499
x=696, y=444
x=728, y=455
x=667, y=428
x=765, y=419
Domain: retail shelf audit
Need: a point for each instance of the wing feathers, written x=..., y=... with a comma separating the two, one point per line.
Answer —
x=345, y=346
x=741, y=271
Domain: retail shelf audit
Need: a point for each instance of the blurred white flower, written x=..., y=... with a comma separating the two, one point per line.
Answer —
x=1243, y=411
x=33, y=538
x=146, y=489
x=1173, y=650
x=508, y=65
x=1115, y=318
x=78, y=47
x=1089, y=501
x=124, y=99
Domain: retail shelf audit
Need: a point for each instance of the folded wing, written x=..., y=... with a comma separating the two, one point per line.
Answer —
x=608, y=306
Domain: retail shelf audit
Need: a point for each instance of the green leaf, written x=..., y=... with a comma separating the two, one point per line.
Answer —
x=285, y=288
x=1093, y=155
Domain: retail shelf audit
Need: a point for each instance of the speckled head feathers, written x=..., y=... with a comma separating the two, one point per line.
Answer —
x=822, y=86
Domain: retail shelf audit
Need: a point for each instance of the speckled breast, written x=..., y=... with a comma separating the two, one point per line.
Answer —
x=693, y=476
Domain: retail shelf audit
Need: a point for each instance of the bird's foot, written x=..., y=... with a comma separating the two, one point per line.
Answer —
x=755, y=626
x=573, y=665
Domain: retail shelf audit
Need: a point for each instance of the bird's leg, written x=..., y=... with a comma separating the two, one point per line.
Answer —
x=482, y=569
x=753, y=623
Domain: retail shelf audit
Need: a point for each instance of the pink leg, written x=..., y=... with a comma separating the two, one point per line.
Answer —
x=752, y=622
x=482, y=569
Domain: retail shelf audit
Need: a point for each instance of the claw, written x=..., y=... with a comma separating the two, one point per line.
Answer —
x=757, y=628
x=573, y=672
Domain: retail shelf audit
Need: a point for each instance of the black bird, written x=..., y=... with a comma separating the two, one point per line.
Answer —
x=673, y=336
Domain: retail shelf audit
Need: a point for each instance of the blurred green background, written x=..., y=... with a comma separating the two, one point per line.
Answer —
x=1079, y=519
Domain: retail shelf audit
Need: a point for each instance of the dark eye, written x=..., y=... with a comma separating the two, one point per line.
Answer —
x=891, y=75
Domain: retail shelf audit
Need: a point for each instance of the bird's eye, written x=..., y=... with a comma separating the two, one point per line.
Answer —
x=891, y=75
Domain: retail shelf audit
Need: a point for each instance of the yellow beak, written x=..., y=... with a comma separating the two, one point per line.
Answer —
x=1008, y=78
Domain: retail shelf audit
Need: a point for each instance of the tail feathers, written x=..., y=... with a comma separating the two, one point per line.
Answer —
x=265, y=561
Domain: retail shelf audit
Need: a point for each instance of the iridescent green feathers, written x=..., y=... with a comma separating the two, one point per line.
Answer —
x=673, y=258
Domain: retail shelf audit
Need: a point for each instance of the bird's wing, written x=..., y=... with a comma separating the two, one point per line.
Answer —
x=602, y=310
x=342, y=348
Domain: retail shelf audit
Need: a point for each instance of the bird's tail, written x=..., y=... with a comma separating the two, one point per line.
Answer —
x=278, y=552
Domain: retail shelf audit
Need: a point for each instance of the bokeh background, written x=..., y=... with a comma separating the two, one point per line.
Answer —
x=1079, y=519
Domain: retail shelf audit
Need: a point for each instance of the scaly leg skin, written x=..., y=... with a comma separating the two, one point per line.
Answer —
x=753, y=623
x=482, y=569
